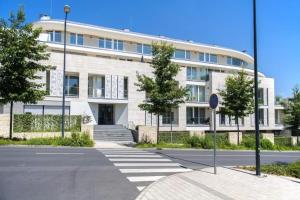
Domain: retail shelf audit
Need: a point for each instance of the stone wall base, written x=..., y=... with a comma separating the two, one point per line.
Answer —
x=235, y=138
x=268, y=136
x=147, y=134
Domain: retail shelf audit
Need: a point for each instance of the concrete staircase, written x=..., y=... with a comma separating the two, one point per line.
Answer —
x=113, y=133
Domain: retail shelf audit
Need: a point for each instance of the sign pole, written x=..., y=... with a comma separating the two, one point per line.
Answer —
x=213, y=103
x=215, y=148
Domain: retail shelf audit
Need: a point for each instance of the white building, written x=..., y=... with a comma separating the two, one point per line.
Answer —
x=101, y=68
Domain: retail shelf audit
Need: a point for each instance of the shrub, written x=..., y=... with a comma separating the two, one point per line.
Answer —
x=193, y=141
x=283, y=141
x=249, y=142
x=266, y=144
x=177, y=136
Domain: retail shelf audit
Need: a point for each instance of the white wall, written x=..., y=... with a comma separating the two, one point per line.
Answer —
x=121, y=114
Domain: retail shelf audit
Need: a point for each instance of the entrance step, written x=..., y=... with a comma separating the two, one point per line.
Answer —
x=113, y=133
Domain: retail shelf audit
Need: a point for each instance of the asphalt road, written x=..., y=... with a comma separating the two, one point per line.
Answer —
x=82, y=173
x=196, y=159
x=60, y=174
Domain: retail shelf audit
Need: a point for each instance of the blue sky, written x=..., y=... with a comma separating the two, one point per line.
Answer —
x=225, y=23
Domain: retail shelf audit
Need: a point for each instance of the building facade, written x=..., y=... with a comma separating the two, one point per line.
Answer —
x=101, y=71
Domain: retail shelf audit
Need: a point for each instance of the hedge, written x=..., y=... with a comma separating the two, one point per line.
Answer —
x=177, y=136
x=45, y=123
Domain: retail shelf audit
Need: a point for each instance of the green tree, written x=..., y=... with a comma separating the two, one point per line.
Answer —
x=237, y=97
x=163, y=92
x=20, y=56
x=292, y=111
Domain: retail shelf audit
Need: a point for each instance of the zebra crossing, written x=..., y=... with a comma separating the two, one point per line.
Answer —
x=141, y=167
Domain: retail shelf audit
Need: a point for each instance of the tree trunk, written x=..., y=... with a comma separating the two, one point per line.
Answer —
x=157, y=129
x=297, y=131
x=238, y=129
x=11, y=119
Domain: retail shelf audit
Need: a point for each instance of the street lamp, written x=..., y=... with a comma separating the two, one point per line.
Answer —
x=66, y=11
x=257, y=147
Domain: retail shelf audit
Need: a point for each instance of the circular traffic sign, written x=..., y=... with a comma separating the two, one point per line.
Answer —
x=213, y=101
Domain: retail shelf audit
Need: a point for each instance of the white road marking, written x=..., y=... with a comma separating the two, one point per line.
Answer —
x=144, y=178
x=59, y=153
x=155, y=170
x=140, y=188
x=130, y=153
x=133, y=156
x=146, y=164
x=139, y=160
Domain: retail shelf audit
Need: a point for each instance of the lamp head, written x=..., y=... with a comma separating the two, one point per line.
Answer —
x=66, y=9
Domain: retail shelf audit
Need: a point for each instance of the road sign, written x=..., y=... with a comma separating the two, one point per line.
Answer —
x=213, y=101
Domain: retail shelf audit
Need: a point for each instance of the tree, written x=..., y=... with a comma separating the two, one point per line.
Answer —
x=20, y=56
x=162, y=91
x=292, y=111
x=237, y=97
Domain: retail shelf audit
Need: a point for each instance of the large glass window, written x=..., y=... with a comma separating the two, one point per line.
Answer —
x=195, y=116
x=71, y=85
x=54, y=36
x=147, y=49
x=72, y=38
x=48, y=82
x=108, y=43
x=213, y=58
x=261, y=96
x=235, y=61
x=261, y=116
x=118, y=45
x=196, y=93
x=125, y=87
x=196, y=74
x=101, y=42
x=79, y=39
x=139, y=48
x=96, y=86
x=182, y=54
x=201, y=57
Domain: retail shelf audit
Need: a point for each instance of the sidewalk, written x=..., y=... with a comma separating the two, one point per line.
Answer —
x=109, y=145
x=228, y=184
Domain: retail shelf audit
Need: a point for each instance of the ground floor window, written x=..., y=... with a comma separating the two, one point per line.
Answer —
x=196, y=116
x=71, y=85
x=170, y=117
x=45, y=109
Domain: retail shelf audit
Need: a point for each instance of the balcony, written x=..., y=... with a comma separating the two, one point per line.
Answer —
x=96, y=92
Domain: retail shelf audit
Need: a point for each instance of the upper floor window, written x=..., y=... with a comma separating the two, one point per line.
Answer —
x=54, y=36
x=196, y=93
x=118, y=45
x=235, y=61
x=196, y=74
x=144, y=49
x=105, y=43
x=125, y=87
x=76, y=39
x=182, y=54
x=207, y=57
x=261, y=96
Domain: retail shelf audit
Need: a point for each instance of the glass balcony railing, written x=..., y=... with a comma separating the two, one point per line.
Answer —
x=72, y=91
x=197, y=121
x=96, y=92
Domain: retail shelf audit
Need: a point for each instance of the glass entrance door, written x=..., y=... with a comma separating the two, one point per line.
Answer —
x=106, y=114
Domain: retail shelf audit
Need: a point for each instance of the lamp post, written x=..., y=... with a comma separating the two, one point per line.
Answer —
x=257, y=139
x=66, y=11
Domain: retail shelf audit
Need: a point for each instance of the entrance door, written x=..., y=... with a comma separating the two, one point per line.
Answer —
x=106, y=114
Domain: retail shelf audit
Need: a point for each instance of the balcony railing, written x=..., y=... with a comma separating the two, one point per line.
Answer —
x=96, y=92
x=197, y=121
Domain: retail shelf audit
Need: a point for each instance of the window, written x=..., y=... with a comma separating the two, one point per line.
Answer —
x=96, y=86
x=139, y=48
x=147, y=49
x=54, y=36
x=170, y=117
x=48, y=82
x=108, y=43
x=261, y=116
x=213, y=58
x=118, y=45
x=235, y=61
x=72, y=38
x=102, y=43
x=261, y=96
x=222, y=119
x=201, y=57
x=79, y=39
x=71, y=85
x=278, y=117
x=196, y=93
x=197, y=74
x=125, y=87
x=1, y=109
x=195, y=116
x=182, y=54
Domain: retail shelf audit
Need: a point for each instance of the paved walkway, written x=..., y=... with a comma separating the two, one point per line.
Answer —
x=109, y=145
x=228, y=184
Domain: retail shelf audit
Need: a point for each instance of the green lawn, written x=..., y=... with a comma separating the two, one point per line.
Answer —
x=282, y=169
